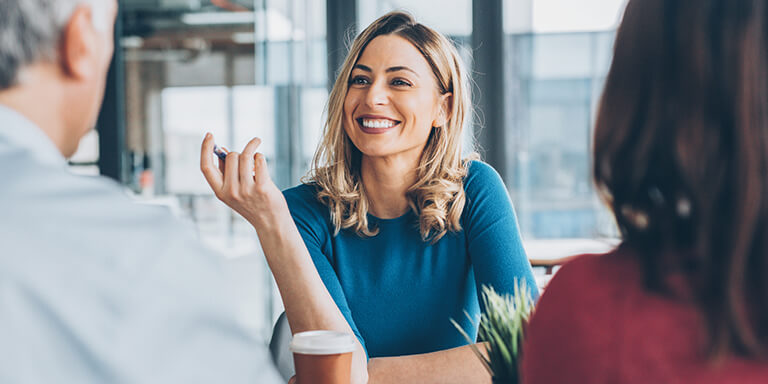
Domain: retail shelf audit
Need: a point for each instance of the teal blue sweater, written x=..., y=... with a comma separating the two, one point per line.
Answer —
x=397, y=292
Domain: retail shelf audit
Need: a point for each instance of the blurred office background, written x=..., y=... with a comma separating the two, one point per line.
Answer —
x=245, y=68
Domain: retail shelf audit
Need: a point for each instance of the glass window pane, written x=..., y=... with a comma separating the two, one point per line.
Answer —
x=450, y=17
x=193, y=67
x=188, y=113
x=254, y=113
x=573, y=16
x=555, y=72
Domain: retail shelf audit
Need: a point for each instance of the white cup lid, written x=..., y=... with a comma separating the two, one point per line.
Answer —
x=322, y=343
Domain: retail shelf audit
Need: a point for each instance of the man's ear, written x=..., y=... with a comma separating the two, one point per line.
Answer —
x=445, y=102
x=79, y=45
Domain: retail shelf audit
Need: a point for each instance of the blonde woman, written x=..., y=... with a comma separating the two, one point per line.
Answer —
x=393, y=233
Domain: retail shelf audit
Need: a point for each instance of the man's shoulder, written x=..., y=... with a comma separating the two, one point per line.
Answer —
x=44, y=199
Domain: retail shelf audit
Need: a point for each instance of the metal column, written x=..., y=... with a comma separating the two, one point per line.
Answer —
x=488, y=69
x=111, y=121
x=341, y=26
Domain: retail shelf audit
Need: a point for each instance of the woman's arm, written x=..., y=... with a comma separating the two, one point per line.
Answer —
x=493, y=238
x=246, y=187
x=308, y=305
x=457, y=365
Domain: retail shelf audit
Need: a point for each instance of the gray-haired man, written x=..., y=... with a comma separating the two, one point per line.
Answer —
x=93, y=288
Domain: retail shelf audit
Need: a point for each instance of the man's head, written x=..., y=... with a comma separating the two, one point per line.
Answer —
x=56, y=52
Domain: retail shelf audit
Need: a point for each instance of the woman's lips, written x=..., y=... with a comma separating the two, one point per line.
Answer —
x=373, y=126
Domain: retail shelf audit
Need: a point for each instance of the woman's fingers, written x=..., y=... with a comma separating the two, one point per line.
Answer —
x=239, y=178
x=231, y=174
x=247, y=162
x=211, y=172
x=260, y=170
x=221, y=161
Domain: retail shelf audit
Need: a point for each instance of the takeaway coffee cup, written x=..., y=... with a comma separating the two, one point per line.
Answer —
x=322, y=357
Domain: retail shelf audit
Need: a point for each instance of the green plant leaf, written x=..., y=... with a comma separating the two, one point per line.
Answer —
x=501, y=325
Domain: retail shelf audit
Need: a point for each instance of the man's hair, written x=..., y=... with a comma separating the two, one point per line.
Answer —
x=30, y=31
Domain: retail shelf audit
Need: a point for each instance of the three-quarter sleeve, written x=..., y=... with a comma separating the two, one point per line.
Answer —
x=493, y=237
x=311, y=220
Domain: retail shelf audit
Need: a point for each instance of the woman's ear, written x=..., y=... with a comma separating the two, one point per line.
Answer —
x=445, y=106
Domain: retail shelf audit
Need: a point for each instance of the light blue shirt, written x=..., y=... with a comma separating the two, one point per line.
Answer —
x=97, y=289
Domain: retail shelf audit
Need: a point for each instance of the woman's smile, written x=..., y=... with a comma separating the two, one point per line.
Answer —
x=374, y=125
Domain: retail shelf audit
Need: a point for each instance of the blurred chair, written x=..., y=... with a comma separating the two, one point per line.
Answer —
x=279, y=347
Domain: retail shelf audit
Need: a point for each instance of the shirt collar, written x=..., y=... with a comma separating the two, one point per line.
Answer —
x=23, y=133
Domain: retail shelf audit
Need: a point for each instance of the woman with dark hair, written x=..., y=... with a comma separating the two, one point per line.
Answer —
x=681, y=157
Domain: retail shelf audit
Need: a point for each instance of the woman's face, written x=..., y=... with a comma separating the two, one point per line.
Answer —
x=393, y=99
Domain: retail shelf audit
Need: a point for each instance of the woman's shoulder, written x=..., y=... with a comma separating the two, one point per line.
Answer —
x=594, y=273
x=578, y=313
x=485, y=190
x=586, y=289
x=303, y=202
x=302, y=191
x=482, y=178
x=480, y=171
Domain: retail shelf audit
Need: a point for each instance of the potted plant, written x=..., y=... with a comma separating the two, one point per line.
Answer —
x=502, y=327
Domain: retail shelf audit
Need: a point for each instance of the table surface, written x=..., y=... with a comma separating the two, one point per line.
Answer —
x=552, y=252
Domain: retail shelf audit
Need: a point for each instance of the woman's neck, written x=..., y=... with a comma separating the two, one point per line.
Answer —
x=386, y=180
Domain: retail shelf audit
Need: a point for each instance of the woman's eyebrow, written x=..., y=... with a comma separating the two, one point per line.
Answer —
x=402, y=68
x=390, y=69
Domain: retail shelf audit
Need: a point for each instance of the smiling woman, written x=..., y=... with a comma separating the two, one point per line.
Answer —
x=392, y=234
x=402, y=94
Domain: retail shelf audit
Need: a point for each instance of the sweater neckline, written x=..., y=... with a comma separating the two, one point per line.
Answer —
x=408, y=214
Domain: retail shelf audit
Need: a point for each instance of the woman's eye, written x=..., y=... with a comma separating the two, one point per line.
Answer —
x=400, y=82
x=358, y=80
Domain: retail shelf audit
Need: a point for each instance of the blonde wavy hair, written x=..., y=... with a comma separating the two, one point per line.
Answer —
x=438, y=196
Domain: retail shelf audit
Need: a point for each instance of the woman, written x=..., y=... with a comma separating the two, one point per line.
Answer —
x=393, y=234
x=681, y=155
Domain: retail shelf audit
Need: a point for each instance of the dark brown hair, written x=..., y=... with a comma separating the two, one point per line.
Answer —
x=681, y=156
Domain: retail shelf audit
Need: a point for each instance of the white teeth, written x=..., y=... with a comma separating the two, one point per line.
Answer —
x=378, y=123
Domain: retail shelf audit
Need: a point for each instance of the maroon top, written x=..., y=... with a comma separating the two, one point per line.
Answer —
x=595, y=323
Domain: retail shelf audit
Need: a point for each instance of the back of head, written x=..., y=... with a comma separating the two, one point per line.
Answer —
x=681, y=155
x=30, y=32
x=56, y=53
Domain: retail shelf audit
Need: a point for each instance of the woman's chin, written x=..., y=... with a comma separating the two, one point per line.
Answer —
x=377, y=153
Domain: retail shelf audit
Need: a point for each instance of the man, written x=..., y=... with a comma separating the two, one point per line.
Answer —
x=94, y=288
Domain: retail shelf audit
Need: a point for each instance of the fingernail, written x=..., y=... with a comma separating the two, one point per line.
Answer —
x=207, y=135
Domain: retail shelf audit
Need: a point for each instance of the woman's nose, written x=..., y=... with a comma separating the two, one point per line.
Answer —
x=377, y=94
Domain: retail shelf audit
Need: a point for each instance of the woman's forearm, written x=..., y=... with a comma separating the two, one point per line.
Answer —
x=242, y=181
x=457, y=365
x=308, y=305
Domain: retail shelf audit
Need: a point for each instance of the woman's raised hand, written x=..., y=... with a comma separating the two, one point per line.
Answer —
x=243, y=183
